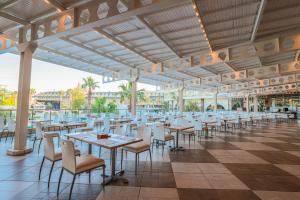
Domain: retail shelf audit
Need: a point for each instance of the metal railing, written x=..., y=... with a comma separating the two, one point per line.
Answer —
x=71, y=114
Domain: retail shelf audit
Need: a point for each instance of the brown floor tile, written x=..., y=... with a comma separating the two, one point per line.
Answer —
x=284, y=146
x=218, y=145
x=162, y=167
x=292, y=169
x=158, y=180
x=192, y=156
x=255, y=169
x=274, y=195
x=277, y=157
x=253, y=146
x=289, y=139
x=236, y=156
x=271, y=182
x=209, y=194
x=235, y=139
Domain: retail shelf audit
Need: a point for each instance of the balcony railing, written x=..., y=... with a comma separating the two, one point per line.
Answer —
x=70, y=114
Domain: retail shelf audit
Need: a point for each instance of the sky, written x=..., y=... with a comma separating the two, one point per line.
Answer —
x=50, y=77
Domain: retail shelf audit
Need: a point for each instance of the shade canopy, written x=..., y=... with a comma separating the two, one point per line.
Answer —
x=229, y=46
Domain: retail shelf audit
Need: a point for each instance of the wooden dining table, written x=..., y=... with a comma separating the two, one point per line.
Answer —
x=69, y=126
x=112, y=143
x=178, y=129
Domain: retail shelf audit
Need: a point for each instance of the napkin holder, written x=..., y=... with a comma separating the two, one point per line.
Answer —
x=102, y=136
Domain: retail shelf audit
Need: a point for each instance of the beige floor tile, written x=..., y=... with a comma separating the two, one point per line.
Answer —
x=272, y=135
x=264, y=139
x=14, y=186
x=292, y=169
x=184, y=180
x=119, y=193
x=158, y=194
x=193, y=145
x=225, y=181
x=273, y=195
x=185, y=167
x=253, y=146
x=213, y=168
x=236, y=156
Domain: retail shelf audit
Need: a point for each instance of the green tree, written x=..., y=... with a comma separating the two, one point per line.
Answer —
x=61, y=95
x=125, y=94
x=89, y=84
x=101, y=106
x=78, y=98
x=192, y=106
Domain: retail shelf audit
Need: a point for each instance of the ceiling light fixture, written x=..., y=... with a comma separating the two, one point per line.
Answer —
x=197, y=13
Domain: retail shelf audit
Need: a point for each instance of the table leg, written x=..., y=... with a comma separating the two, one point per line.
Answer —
x=177, y=147
x=115, y=176
x=177, y=138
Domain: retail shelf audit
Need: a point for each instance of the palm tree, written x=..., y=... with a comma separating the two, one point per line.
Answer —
x=90, y=84
x=32, y=92
x=125, y=93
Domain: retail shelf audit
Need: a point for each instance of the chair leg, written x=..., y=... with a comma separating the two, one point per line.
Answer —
x=6, y=136
x=163, y=147
x=100, y=151
x=61, y=173
x=74, y=176
x=136, y=160
x=150, y=158
x=53, y=162
x=122, y=159
x=103, y=176
x=189, y=140
x=90, y=176
x=152, y=144
x=41, y=167
x=33, y=143
x=40, y=145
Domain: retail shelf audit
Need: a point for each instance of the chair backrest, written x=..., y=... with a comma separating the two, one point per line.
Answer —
x=68, y=155
x=1, y=124
x=49, y=150
x=11, y=125
x=158, y=132
x=106, y=124
x=197, y=125
x=121, y=129
x=38, y=130
x=145, y=133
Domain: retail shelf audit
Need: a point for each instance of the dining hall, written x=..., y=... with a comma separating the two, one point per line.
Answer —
x=222, y=123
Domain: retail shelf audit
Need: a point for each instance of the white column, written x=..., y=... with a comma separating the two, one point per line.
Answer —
x=215, y=101
x=133, y=98
x=247, y=103
x=255, y=103
x=202, y=105
x=26, y=52
x=229, y=103
x=180, y=99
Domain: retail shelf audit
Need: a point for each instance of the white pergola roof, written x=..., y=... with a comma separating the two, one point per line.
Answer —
x=169, y=41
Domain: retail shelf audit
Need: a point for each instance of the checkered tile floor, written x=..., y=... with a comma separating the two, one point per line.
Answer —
x=260, y=162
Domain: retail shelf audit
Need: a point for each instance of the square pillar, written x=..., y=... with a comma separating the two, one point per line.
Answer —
x=215, y=102
x=247, y=103
x=255, y=103
x=229, y=103
x=180, y=99
x=19, y=147
x=133, y=98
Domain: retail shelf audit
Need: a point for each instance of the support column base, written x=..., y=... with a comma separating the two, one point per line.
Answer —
x=14, y=152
